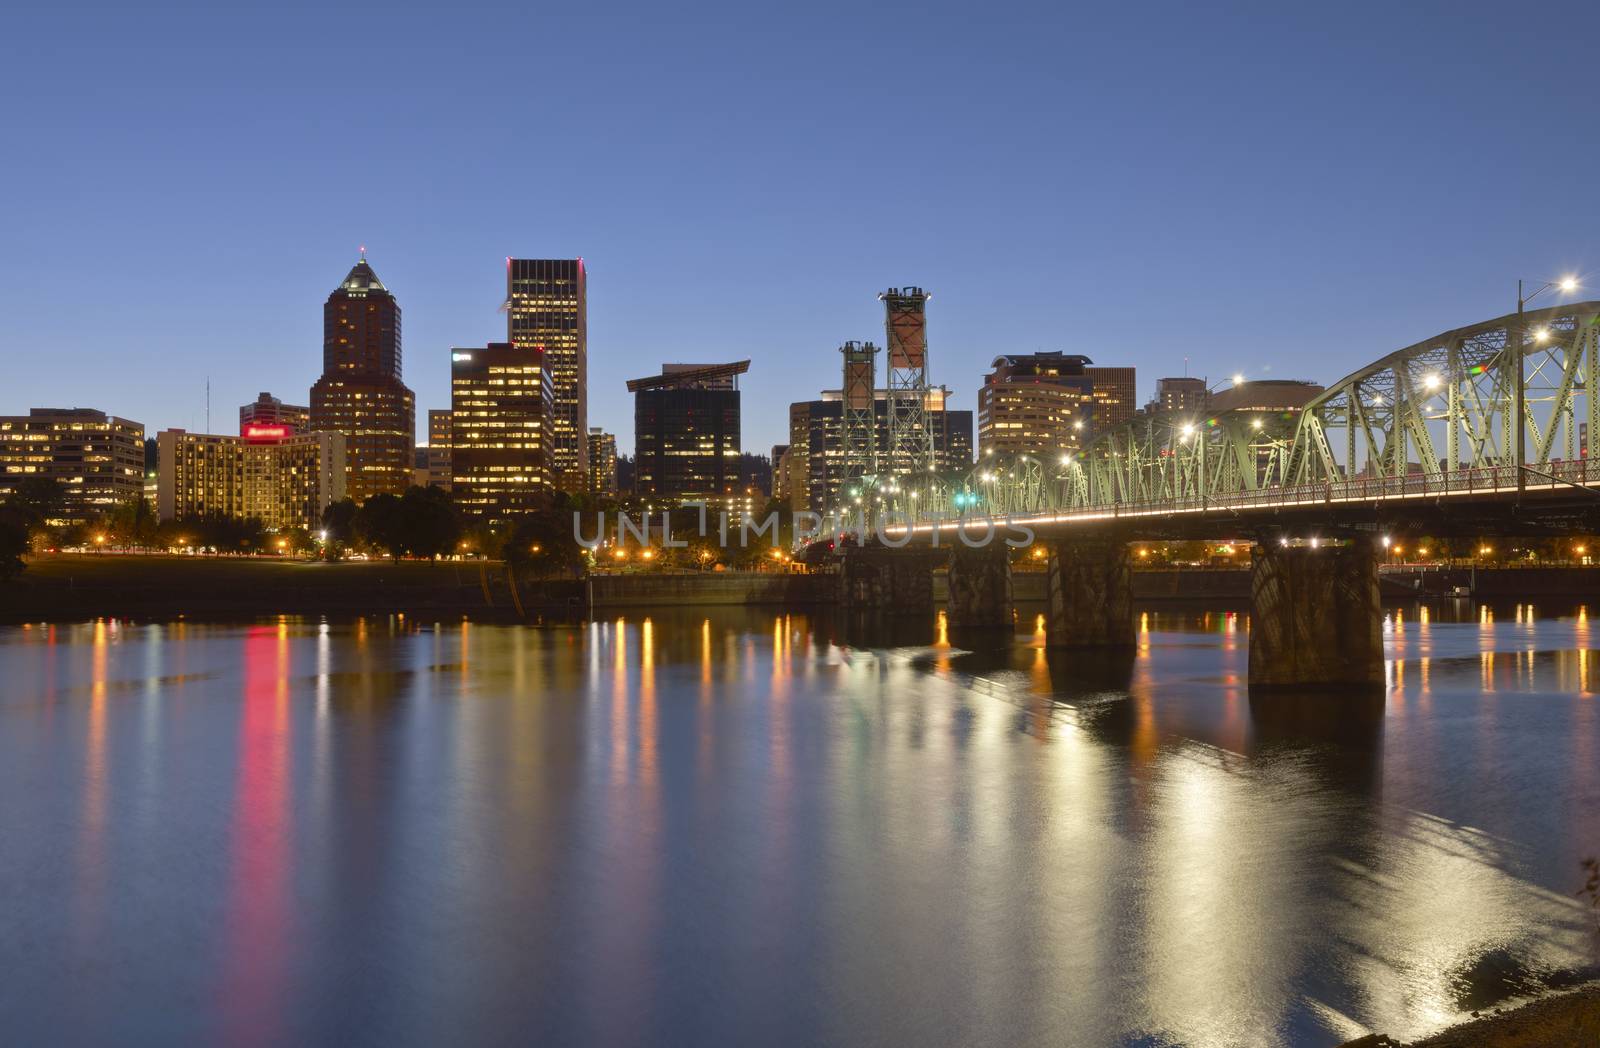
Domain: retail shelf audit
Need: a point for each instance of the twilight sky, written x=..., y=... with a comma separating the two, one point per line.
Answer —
x=1256, y=188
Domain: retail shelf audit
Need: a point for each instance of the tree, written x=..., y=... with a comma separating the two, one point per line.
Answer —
x=13, y=543
x=132, y=524
x=542, y=544
x=339, y=521
x=296, y=540
x=378, y=524
x=429, y=526
x=39, y=499
x=217, y=531
x=755, y=471
x=32, y=504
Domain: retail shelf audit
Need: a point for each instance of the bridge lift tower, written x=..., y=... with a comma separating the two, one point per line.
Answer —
x=910, y=445
x=858, y=424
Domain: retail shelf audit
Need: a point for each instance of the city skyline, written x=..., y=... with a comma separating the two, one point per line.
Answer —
x=1197, y=209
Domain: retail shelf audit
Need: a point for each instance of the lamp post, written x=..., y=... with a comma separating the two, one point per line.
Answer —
x=1519, y=394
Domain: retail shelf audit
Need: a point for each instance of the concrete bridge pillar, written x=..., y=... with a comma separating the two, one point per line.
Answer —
x=1090, y=590
x=1315, y=618
x=895, y=581
x=980, y=586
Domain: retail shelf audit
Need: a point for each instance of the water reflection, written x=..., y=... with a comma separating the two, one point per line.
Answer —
x=773, y=827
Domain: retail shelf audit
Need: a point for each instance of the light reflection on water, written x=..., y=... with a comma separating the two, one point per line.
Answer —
x=769, y=827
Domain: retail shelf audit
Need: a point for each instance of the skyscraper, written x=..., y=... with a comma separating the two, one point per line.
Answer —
x=439, y=440
x=360, y=393
x=1180, y=395
x=500, y=399
x=602, y=462
x=547, y=309
x=686, y=431
x=268, y=410
x=1114, y=395
x=1035, y=403
x=815, y=465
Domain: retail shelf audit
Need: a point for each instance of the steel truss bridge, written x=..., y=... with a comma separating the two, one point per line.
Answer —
x=1429, y=430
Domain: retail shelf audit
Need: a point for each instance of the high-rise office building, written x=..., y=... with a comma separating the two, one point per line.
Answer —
x=268, y=410
x=436, y=462
x=1180, y=395
x=285, y=479
x=780, y=472
x=1035, y=404
x=1115, y=395
x=96, y=460
x=602, y=462
x=815, y=463
x=547, y=310
x=360, y=393
x=686, y=431
x=500, y=404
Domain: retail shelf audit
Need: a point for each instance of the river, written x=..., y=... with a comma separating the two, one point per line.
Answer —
x=744, y=826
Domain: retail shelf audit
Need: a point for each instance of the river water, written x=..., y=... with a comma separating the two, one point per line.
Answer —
x=752, y=827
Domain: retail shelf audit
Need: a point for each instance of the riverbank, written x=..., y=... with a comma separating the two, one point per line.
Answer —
x=65, y=587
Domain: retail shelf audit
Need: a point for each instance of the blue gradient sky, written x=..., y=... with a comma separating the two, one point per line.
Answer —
x=1283, y=193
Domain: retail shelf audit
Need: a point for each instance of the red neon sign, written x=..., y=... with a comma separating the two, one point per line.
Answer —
x=264, y=433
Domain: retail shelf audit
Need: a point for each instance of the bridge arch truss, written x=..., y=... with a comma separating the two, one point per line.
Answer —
x=1437, y=416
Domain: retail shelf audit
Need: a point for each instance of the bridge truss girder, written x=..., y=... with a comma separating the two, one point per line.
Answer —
x=1435, y=416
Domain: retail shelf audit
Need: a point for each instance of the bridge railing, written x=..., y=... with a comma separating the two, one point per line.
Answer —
x=1360, y=489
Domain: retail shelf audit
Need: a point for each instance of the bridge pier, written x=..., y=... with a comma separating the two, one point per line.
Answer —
x=980, y=586
x=1315, y=618
x=895, y=581
x=1090, y=589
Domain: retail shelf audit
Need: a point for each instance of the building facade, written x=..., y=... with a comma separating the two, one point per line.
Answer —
x=815, y=460
x=602, y=462
x=360, y=393
x=97, y=460
x=1035, y=404
x=1116, y=395
x=780, y=472
x=501, y=400
x=686, y=436
x=436, y=459
x=268, y=410
x=547, y=310
x=1266, y=395
x=1180, y=395
x=285, y=479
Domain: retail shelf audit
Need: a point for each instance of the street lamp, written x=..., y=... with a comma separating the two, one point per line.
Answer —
x=1520, y=394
